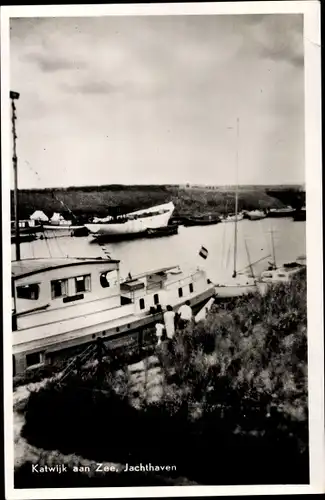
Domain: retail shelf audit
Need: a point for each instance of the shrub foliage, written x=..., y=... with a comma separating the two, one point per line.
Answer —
x=234, y=407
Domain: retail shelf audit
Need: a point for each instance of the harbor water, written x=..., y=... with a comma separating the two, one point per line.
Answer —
x=255, y=240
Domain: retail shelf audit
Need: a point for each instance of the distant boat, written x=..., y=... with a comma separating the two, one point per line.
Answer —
x=58, y=226
x=256, y=215
x=283, y=274
x=300, y=215
x=201, y=220
x=280, y=212
x=23, y=238
x=162, y=231
x=134, y=223
x=233, y=218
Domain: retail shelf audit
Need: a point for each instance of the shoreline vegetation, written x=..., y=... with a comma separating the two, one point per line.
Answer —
x=89, y=201
x=225, y=402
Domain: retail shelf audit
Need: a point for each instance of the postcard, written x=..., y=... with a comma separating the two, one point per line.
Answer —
x=161, y=186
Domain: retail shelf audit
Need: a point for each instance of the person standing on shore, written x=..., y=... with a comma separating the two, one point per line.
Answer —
x=185, y=314
x=169, y=319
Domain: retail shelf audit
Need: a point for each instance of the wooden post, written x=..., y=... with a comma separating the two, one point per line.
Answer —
x=13, y=96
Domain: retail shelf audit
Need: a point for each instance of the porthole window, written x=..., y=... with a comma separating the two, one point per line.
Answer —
x=104, y=279
x=156, y=299
x=142, y=303
x=180, y=292
x=191, y=288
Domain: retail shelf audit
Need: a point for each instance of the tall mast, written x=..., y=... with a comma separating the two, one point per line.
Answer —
x=236, y=201
x=13, y=97
x=273, y=250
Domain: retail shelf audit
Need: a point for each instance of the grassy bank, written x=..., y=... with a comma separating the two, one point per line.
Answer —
x=232, y=407
x=89, y=201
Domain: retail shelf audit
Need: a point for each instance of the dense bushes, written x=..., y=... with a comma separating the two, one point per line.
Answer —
x=234, y=407
x=89, y=201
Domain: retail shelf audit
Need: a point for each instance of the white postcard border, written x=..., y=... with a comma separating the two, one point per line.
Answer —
x=313, y=168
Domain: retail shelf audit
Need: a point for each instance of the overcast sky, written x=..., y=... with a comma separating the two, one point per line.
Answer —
x=155, y=99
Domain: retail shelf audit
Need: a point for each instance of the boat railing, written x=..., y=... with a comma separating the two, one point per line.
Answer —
x=184, y=280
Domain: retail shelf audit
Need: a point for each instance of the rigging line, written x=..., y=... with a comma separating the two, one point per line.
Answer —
x=53, y=194
x=48, y=247
x=57, y=244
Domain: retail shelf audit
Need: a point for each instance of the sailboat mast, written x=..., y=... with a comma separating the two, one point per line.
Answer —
x=236, y=201
x=273, y=250
x=13, y=97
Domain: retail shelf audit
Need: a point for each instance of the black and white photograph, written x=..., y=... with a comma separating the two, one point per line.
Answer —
x=166, y=325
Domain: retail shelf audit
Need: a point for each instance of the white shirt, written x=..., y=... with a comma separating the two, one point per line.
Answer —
x=169, y=318
x=159, y=331
x=185, y=312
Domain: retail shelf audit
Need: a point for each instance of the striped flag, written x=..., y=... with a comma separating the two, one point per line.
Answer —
x=203, y=252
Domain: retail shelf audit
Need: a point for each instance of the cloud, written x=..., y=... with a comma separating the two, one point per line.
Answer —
x=49, y=63
x=152, y=97
x=91, y=87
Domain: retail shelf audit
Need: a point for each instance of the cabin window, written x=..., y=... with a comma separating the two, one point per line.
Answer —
x=156, y=299
x=104, y=279
x=281, y=275
x=142, y=303
x=268, y=275
x=180, y=292
x=34, y=358
x=59, y=288
x=29, y=292
x=82, y=283
x=191, y=288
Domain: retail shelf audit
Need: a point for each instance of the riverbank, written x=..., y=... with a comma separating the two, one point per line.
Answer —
x=89, y=201
x=234, y=385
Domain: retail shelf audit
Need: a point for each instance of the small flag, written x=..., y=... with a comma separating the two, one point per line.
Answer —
x=203, y=253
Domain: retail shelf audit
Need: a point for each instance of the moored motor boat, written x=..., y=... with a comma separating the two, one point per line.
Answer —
x=255, y=215
x=283, y=274
x=203, y=220
x=162, y=231
x=300, y=215
x=63, y=304
x=233, y=218
x=280, y=212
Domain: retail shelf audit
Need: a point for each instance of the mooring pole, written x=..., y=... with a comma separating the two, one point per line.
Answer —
x=14, y=96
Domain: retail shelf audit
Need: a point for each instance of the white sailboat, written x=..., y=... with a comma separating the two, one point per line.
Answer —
x=239, y=283
x=137, y=222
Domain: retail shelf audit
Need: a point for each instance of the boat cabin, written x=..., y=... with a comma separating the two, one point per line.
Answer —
x=283, y=274
x=61, y=304
x=53, y=290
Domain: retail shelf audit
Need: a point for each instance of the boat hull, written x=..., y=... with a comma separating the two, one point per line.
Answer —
x=233, y=218
x=280, y=213
x=136, y=226
x=299, y=216
x=161, y=232
x=229, y=291
x=200, y=222
x=256, y=217
x=130, y=333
